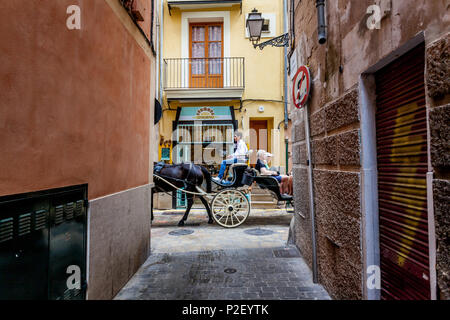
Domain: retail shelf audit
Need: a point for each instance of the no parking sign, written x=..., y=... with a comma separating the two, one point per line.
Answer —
x=301, y=87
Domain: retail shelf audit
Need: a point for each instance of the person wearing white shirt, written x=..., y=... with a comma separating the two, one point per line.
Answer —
x=239, y=155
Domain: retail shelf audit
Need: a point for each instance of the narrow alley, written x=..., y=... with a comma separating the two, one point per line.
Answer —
x=202, y=261
x=178, y=150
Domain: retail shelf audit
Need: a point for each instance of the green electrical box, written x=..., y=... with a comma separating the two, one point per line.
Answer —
x=43, y=245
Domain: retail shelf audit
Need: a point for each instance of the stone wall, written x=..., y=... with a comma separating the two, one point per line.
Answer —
x=438, y=84
x=334, y=113
x=302, y=226
x=336, y=157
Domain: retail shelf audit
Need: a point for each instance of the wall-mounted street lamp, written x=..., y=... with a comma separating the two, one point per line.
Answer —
x=255, y=24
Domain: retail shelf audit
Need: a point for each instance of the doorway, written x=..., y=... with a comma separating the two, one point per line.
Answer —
x=402, y=158
x=258, y=138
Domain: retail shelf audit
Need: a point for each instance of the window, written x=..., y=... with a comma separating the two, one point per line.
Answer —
x=266, y=26
x=206, y=53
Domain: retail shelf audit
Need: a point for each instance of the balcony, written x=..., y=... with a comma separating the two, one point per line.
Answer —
x=204, y=4
x=204, y=78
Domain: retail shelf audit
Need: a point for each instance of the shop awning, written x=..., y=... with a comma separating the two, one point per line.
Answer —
x=205, y=4
x=206, y=113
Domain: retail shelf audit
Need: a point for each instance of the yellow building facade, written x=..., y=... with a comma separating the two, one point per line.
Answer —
x=213, y=81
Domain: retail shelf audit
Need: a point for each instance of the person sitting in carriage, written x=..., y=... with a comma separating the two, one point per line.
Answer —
x=286, y=182
x=239, y=155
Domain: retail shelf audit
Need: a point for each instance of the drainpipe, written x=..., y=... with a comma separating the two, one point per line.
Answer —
x=158, y=56
x=311, y=196
x=285, y=69
x=161, y=64
x=320, y=5
x=286, y=79
x=161, y=42
x=286, y=141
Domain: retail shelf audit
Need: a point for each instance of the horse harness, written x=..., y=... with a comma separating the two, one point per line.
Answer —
x=161, y=165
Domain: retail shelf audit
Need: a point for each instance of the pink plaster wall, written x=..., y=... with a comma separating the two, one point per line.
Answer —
x=74, y=104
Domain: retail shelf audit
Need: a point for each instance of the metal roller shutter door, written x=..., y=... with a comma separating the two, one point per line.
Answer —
x=402, y=167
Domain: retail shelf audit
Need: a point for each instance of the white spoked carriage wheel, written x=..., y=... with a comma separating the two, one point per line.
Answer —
x=230, y=208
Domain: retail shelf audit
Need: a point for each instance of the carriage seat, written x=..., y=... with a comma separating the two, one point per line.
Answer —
x=158, y=167
x=237, y=172
x=271, y=183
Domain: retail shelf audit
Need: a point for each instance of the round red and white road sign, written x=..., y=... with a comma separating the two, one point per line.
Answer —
x=301, y=87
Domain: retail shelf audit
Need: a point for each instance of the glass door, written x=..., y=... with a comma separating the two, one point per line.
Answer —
x=206, y=55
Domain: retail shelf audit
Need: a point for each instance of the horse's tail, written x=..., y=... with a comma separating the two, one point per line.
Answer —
x=207, y=176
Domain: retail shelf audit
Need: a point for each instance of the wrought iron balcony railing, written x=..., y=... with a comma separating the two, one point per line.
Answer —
x=204, y=73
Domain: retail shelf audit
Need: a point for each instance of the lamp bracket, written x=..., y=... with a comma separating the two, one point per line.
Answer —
x=281, y=41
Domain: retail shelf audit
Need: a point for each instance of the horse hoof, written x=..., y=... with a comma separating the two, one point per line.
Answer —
x=211, y=221
x=181, y=224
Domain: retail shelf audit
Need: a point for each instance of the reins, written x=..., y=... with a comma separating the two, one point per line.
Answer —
x=177, y=188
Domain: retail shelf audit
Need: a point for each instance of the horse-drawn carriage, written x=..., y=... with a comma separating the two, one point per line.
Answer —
x=230, y=205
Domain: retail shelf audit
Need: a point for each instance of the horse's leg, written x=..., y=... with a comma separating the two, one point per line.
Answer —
x=190, y=202
x=208, y=209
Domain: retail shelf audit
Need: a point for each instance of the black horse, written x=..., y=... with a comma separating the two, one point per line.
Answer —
x=187, y=176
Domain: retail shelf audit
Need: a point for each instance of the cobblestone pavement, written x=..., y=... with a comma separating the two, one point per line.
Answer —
x=252, y=261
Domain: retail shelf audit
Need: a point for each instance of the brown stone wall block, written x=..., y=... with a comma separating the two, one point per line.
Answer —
x=339, y=232
x=302, y=226
x=438, y=68
x=296, y=154
x=318, y=123
x=343, y=231
x=325, y=151
x=298, y=133
x=342, y=112
x=302, y=230
x=337, y=191
x=347, y=193
x=301, y=191
x=332, y=213
x=348, y=148
x=340, y=278
x=321, y=190
x=303, y=154
x=299, y=155
x=440, y=136
x=441, y=193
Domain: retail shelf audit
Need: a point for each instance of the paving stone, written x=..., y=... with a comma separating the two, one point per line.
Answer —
x=269, y=289
x=234, y=296
x=254, y=290
x=267, y=295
